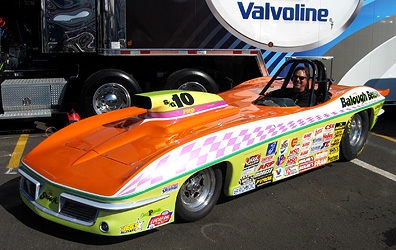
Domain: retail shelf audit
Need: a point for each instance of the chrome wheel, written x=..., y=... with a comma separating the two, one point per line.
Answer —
x=198, y=190
x=109, y=97
x=193, y=86
x=356, y=130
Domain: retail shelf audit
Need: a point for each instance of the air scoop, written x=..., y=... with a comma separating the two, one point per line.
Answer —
x=177, y=103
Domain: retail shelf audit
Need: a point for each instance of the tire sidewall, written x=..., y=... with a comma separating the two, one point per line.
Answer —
x=178, y=78
x=349, y=152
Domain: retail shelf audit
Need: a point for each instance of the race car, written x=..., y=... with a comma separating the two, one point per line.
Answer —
x=176, y=151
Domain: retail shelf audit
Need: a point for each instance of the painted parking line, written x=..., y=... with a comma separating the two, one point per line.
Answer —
x=374, y=169
x=384, y=136
x=17, y=154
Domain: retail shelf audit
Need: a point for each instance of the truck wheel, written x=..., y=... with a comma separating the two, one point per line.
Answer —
x=199, y=194
x=355, y=136
x=107, y=90
x=191, y=79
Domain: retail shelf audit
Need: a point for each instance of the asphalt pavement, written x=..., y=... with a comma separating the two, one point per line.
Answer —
x=342, y=205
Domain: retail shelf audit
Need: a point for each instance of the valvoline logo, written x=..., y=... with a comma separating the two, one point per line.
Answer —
x=285, y=25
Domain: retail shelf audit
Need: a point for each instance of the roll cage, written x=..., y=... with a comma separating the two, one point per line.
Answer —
x=319, y=83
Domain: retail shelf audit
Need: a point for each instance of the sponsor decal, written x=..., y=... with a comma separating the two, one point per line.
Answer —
x=291, y=161
x=333, y=158
x=325, y=145
x=338, y=133
x=330, y=127
x=284, y=145
x=315, y=149
x=243, y=189
x=267, y=158
x=294, y=152
x=170, y=188
x=321, y=158
x=263, y=172
x=281, y=159
x=304, y=153
x=317, y=140
x=252, y=160
x=335, y=142
x=159, y=220
x=151, y=212
x=279, y=173
x=266, y=165
x=334, y=150
x=358, y=99
x=306, y=144
x=340, y=125
x=132, y=228
x=294, y=142
x=306, y=163
x=328, y=136
x=318, y=132
x=320, y=162
x=271, y=148
x=270, y=24
x=246, y=180
x=307, y=136
x=290, y=171
x=264, y=180
x=249, y=170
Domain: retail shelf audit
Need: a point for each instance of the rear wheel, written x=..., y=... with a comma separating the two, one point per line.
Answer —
x=192, y=79
x=199, y=194
x=355, y=136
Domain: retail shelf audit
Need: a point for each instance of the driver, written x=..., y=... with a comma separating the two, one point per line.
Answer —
x=300, y=92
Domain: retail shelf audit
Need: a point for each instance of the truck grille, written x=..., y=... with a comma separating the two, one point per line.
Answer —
x=79, y=211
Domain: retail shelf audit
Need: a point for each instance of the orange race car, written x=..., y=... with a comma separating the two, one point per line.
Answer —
x=172, y=155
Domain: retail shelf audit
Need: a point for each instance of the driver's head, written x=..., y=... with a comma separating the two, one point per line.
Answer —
x=300, y=79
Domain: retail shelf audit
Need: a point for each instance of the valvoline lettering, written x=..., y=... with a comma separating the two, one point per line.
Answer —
x=297, y=13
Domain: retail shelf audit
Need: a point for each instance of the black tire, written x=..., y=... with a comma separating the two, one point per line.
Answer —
x=199, y=194
x=107, y=90
x=191, y=79
x=355, y=136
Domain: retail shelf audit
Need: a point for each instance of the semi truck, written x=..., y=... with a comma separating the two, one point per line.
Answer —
x=94, y=55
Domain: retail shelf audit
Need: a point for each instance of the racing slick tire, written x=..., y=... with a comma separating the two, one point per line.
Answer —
x=198, y=194
x=191, y=79
x=355, y=136
x=107, y=90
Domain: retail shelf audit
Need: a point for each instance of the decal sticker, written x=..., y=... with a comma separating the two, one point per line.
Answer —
x=266, y=165
x=243, y=189
x=306, y=144
x=291, y=161
x=284, y=145
x=253, y=160
x=294, y=142
x=328, y=136
x=51, y=198
x=307, y=136
x=263, y=180
x=318, y=132
x=170, y=188
x=246, y=180
x=304, y=153
x=330, y=127
x=294, y=152
x=132, y=228
x=281, y=159
x=279, y=173
x=249, y=170
x=159, y=220
x=321, y=158
x=306, y=164
x=267, y=158
x=151, y=212
x=290, y=171
x=264, y=172
x=325, y=145
x=271, y=148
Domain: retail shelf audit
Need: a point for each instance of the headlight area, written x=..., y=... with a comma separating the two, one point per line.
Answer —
x=106, y=218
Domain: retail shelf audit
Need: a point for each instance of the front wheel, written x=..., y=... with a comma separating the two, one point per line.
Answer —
x=355, y=136
x=199, y=194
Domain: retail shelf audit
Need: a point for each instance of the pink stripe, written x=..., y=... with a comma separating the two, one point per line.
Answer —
x=182, y=112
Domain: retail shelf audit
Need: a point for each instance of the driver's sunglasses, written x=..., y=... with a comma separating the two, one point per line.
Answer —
x=300, y=77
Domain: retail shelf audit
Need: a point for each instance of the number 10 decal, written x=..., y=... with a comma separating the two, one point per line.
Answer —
x=183, y=99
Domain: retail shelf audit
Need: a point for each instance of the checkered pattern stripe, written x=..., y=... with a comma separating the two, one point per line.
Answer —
x=208, y=149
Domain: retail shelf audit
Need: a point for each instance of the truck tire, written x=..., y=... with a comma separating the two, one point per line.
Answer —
x=191, y=79
x=355, y=136
x=107, y=90
x=199, y=194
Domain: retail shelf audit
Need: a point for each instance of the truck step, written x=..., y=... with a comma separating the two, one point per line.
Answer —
x=26, y=114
